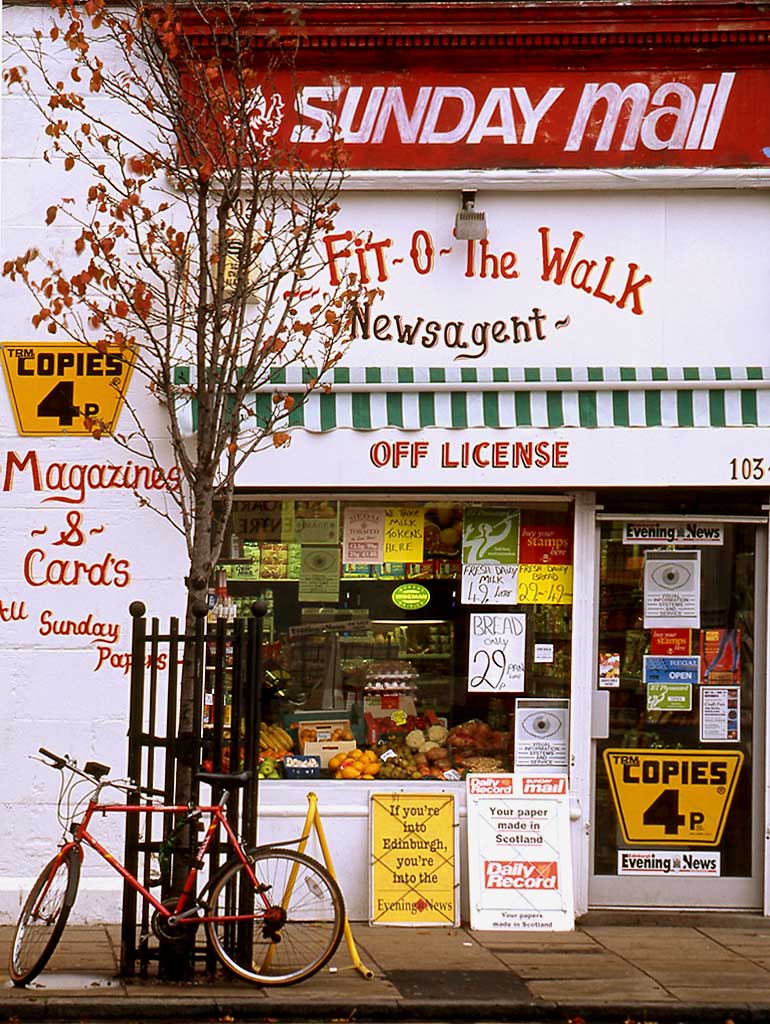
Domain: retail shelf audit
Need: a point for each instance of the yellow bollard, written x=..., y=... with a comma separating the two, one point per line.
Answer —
x=313, y=820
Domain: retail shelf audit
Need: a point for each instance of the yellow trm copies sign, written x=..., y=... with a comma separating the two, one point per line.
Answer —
x=59, y=388
x=672, y=797
x=413, y=877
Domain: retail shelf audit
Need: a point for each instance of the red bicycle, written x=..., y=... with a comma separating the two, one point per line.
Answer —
x=287, y=905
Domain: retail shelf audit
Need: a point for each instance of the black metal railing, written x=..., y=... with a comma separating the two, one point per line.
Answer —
x=221, y=734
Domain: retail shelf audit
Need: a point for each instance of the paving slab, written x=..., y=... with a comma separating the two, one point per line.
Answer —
x=600, y=990
x=723, y=997
x=674, y=975
x=571, y=971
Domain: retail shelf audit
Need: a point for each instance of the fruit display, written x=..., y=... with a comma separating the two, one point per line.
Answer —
x=476, y=737
x=269, y=768
x=420, y=748
x=355, y=764
x=443, y=529
x=274, y=741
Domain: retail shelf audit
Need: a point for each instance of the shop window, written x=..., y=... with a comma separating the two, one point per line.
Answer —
x=409, y=641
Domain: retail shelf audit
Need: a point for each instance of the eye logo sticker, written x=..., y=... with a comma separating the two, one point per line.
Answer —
x=671, y=575
x=541, y=734
x=543, y=724
x=671, y=589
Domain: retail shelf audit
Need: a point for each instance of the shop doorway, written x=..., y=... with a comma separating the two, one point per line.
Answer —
x=678, y=754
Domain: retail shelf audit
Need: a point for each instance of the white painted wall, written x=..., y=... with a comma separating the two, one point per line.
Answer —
x=66, y=692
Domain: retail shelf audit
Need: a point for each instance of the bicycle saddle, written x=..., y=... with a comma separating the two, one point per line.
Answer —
x=224, y=779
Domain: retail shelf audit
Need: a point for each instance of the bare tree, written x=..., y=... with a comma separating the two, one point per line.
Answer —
x=197, y=235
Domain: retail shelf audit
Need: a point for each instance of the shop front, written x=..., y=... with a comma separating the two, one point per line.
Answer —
x=570, y=560
x=527, y=521
x=523, y=526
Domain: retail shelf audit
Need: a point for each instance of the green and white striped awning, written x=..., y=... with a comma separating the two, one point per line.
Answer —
x=372, y=398
x=417, y=398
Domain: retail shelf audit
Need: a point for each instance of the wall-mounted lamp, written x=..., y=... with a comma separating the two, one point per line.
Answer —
x=470, y=223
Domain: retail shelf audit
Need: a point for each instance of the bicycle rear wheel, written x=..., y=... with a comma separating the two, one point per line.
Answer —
x=44, y=916
x=297, y=923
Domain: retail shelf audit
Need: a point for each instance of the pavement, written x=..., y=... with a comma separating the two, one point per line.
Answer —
x=620, y=967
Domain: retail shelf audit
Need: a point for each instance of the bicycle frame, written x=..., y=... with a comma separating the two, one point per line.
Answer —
x=180, y=914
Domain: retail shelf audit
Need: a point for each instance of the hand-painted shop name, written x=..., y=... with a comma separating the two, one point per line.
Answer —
x=466, y=454
x=564, y=263
x=71, y=482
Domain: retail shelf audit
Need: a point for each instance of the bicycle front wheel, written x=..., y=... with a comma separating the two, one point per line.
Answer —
x=284, y=930
x=44, y=916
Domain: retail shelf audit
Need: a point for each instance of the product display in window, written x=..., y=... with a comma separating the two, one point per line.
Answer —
x=369, y=679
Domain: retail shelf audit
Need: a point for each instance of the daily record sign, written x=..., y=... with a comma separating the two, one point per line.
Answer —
x=519, y=860
x=669, y=797
x=65, y=388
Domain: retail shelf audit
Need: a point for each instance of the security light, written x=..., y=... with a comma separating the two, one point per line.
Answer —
x=470, y=223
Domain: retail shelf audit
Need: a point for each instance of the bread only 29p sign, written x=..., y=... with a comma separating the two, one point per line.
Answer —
x=65, y=388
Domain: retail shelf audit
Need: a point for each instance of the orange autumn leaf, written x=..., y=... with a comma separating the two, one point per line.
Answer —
x=280, y=438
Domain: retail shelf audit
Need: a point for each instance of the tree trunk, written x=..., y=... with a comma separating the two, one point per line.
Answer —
x=177, y=959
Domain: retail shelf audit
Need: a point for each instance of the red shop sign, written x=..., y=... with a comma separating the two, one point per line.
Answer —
x=509, y=119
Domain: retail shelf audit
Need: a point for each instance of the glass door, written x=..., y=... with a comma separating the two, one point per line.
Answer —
x=678, y=772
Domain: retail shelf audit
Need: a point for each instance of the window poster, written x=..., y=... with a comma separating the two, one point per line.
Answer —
x=375, y=536
x=720, y=714
x=545, y=545
x=519, y=858
x=414, y=877
x=404, y=533
x=363, y=535
x=545, y=584
x=319, y=579
x=671, y=641
x=316, y=522
x=609, y=670
x=720, y=651
x=489, y=583
x=490, y=570
x=671, y=589
x=496, y=653
x=491, y=535
x=541, y=733
x=669, y=697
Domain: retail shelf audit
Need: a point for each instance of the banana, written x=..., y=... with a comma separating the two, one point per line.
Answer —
x=287, y=741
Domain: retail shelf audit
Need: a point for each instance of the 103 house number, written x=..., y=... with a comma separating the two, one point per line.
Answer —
x=748, y=469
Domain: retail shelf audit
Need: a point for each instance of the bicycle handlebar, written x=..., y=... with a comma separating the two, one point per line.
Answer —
x=95, y=773
x=58, y=762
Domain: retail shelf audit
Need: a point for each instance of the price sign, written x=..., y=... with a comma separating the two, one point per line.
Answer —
x=496, y=653
x=58, y=389
x=489, y=583
x=669, y=797
x=545, y=584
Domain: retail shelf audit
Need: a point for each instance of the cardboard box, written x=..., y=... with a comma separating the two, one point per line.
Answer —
x=315, y=738
x=382, y=705
x=296, y=766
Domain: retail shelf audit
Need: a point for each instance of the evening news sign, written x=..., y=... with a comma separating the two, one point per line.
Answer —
x=530, y=119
